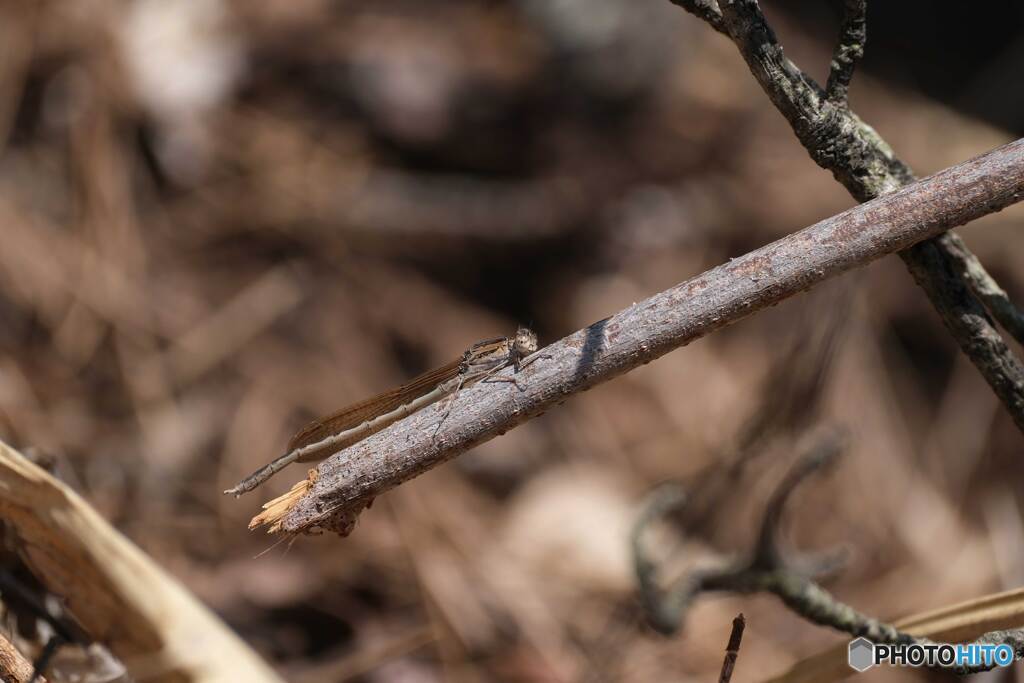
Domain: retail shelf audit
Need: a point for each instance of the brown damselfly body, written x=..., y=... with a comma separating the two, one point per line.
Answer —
x=354, y=423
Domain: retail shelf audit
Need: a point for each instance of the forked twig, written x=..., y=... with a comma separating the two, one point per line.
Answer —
x=767, y=569
x=839, y=141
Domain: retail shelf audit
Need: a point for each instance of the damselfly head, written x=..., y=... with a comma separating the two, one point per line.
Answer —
x=525, y=341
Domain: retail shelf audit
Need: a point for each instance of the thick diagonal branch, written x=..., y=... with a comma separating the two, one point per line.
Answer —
x=348, y=480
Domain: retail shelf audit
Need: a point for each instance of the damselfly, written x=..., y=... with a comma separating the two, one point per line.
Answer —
x=354, y=423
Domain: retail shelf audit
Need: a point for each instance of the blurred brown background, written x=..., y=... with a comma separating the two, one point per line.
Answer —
x=220, y=219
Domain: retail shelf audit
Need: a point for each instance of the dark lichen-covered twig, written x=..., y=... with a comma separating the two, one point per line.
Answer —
x=706, y=10
x=850, y=49
x=935, y=270
x=770, y=569
x=867, y=167
x=831, y=133
x=732, y=649
x=988, y=290
x=348, y=480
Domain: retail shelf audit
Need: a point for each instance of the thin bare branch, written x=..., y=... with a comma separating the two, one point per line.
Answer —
x=732, y=649
x=706, y=10
x=849, y=51
x=641, y=333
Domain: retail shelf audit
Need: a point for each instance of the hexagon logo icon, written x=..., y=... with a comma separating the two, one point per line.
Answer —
x=861, y=654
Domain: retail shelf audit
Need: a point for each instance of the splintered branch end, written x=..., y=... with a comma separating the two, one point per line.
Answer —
x=276, y=516
x=275, y=510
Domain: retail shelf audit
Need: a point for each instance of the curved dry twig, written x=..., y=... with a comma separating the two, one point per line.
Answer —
x=348, y=480
x=765, y=568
